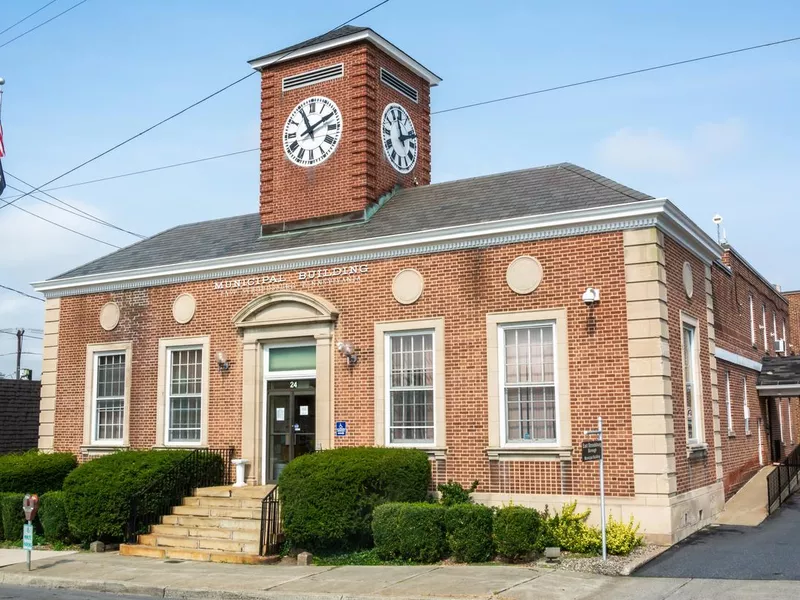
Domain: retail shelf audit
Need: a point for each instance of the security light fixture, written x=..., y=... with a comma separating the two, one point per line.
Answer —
x=222, y=362
x=347, y=350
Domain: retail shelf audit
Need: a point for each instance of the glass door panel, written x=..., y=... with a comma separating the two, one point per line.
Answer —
x=291, y=422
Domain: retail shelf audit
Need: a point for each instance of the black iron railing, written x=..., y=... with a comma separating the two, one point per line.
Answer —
x=271, y=526
x=203, y=467
x=783, y=481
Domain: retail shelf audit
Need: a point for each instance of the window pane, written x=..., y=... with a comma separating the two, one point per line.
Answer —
x=296, y=358
x=529, y=355
x=411, y=410
x=186, y=382
x=530, y=414
x=110, y=396
x=689, y=379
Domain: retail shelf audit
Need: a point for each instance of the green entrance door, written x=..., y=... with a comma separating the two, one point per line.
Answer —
x=291, y=422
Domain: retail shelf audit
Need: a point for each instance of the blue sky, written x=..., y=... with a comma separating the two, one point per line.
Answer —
x=718, y=136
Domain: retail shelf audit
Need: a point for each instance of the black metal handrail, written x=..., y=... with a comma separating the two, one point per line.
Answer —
x=199, y=469
x=271, y=526
x=783, y=481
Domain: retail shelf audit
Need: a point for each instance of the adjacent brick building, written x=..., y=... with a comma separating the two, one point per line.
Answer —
x=19, y=415
x=487, y=321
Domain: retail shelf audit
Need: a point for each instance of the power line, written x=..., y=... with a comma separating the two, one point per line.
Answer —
x=617, y=75
x=21, y=353
x=188, y=108
x=53, y=222
x=22, y=20
x=10, y=289
x=25, y=335
x=142, y=172
x=24, y=33
x=80, y=213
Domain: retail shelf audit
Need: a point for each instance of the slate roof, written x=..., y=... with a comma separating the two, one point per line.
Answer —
x=537, y=191
x=326, y=37
x=780, y=370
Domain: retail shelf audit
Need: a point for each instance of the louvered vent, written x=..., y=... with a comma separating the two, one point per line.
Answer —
x=312, y=77
x=398, y=84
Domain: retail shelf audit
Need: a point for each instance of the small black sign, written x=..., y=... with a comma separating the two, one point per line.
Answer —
x=591, y=450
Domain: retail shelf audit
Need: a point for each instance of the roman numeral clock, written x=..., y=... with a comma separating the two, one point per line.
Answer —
x=312, y=131
x=399, y=138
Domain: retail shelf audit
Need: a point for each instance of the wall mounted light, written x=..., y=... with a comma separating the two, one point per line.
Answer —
x=347, y=350
x=222, y=362
x=591, y=296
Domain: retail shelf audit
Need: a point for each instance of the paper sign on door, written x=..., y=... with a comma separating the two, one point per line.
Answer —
x=279, y=413
x=303, y=411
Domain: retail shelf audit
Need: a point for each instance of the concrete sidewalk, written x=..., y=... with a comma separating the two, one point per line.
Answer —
x=748, y=506
x=163, y=579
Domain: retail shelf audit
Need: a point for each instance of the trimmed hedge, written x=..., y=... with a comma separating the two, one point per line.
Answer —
x=12, y=515
x=410, y=531
x=34, y=472
x=328, y=497
x=98, y=493
x=516, y=531
x=469, y=532
x=53, y=516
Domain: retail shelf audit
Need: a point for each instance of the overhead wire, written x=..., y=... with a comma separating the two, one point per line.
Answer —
x=10, y=289
x=186, y=109
x=23, y=19
x=32, y=29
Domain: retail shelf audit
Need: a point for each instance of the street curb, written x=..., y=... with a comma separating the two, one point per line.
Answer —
x=121, y=587
x=638, y=564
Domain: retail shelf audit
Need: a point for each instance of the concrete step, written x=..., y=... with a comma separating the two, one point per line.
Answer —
x=227, y=491
x=220, y=533
x=198, y=543
x=210, y=522
x=211, y=511
x=214, y=502
x=197, y=555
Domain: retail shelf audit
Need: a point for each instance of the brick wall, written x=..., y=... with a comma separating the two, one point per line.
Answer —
x=461, y=287
x=794, y=321
x=357, y=173
x=19, y=415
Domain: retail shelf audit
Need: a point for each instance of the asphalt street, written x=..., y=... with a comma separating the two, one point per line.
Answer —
x=766, y=552
x=7, y=592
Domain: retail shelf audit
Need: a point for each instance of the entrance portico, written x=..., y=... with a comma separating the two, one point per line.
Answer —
x=299, y=393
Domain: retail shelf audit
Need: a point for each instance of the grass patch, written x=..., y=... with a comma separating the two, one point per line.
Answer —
x=357, y=558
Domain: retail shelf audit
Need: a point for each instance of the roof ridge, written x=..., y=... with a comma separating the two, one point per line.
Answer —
x=501, y=173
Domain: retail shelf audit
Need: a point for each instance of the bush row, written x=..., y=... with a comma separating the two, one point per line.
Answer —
x=33, y=472
x=421, y=532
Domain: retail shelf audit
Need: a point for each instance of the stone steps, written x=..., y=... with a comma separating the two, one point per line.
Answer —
x=219, y=524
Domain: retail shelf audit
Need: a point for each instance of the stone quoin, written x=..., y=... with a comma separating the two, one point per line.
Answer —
x=363, y=305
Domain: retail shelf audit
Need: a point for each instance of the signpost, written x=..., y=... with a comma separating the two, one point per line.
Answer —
x=30, y=505
x=593, y=451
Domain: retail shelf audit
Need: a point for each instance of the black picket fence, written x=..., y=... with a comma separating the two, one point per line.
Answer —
x=783, y=481
x=271, y=526
x=204, y=467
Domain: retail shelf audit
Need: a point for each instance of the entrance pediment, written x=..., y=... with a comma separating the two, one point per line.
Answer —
x=285, y=307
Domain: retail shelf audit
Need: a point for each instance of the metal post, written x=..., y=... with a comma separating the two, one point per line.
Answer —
x=28, y=553
x=602, y=487
x=20, y=333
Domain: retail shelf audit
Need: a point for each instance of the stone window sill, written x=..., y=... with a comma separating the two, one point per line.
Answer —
x=179, y=447
x=530, y=454
x=731, y=434
x=697, y=451
x=101, y=449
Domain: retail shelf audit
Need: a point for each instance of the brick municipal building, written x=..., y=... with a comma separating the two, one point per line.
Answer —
x=487, y=321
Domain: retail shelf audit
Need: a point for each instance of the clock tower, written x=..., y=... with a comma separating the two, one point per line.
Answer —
x=345, y=118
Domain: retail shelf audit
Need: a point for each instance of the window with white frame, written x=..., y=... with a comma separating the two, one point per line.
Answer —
x=746, y=407
x=109, y=396
x=410, y=377
x=528, y=383
x=728, y=401
x=774, y=326
x=764, y=326
x=752, y=322
x=690, y=388
x=184, y=395
x=783, y=337
x=789, y=414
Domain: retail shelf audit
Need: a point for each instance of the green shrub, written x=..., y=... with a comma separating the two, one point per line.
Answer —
x=453, y=493
x=98, y=493
x=12, y=515
x=328, y=497
x=568, y=530
x=469, y=532
x=621, y=537
x=53, y=516
x=33, y=472
x=409, y=531
x=516, y=531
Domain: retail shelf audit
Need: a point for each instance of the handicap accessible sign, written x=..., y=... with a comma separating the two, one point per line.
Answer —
x=341, y=428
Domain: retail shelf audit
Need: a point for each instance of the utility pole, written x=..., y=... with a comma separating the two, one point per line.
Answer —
x=20, y=334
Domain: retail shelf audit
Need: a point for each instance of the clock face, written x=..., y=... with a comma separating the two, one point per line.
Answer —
x=312, y=131
x=399, y=138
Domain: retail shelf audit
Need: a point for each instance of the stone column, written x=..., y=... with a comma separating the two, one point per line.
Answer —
x=47, y=406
